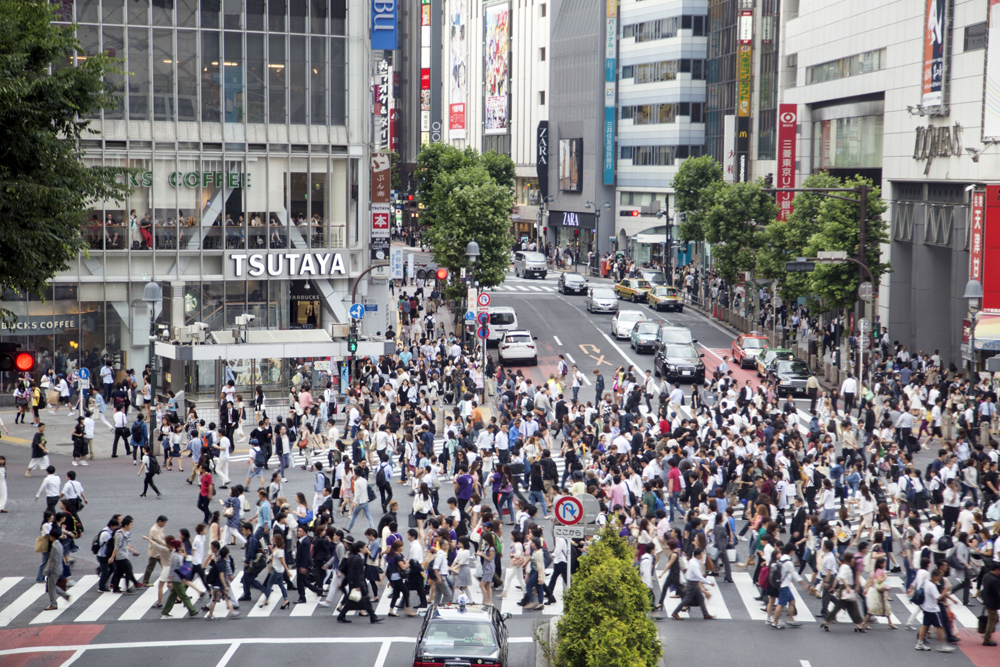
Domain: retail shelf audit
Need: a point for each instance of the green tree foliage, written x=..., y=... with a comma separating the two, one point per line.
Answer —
x=820, y=223
x=605, y=622
x=694, y=187
x=734, y=224
x=432, y=161
x=470, y=205
x=45, y=189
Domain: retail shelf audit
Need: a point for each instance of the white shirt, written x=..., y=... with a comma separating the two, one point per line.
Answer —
x=72, y=489
x=121, y=421
x=88, y=428
x=694, y=573
x=224, y=445
x=50, y=486
x=849, y=386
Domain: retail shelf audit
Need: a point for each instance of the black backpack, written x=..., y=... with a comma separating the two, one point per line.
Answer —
x=137, y=431
x=774, y=576
x=258, y=459
x=154, y=465
x=380, y=479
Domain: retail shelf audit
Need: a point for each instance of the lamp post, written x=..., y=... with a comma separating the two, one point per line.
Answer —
x=973, y=292
x=542, y=209
x=472, y=254
x=152, y=295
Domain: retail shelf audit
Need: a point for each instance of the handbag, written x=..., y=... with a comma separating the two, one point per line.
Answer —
x=412, y=520
x=41, y=544
x=731, y=555
x=185, y=570
x=228, y=512
x=355, y=595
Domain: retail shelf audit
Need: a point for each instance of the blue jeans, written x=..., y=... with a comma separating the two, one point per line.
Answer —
x=534, y=583
x=275, y=578
x=508, y=500
x=361, y=508
x=674, y=504
x=534, y=498
x=576, y=393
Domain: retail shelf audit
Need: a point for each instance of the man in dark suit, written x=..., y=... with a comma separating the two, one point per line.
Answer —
x=230, y=419
x=798, y=526
x=303, y=561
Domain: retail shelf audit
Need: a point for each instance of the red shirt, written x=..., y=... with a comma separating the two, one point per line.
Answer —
x=674, y=480
x=206, y=482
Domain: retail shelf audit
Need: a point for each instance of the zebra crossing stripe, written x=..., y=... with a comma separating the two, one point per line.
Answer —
x=92, y=613
x=75, y=592
x=25, y=600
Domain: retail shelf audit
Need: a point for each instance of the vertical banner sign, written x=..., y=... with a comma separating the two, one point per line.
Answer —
x=744, y=92
x=542, y=161
x=457, y=70
x=976, y=238
x=497, y=70
x=990, y=265
x=381, y=210
x=396, y=263
x=729, y=148
x=935, y=34
x=610, y=84
x=436, y=65
x=991, y=100
x=425, y=72
x=787, y=140
x=384, y=25
x=383, y=96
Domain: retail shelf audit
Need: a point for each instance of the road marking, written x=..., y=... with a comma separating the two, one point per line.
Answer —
x=383, y=653
x=73, y=658
x=596, y=351
x=710, y=351
x=138, y=608
x=228, y=655
x=747, y=591
x=570, y=357
x=82, y=586
x=104, y=602
x=624, y=356
x=804, y=663
x=8, y=583
x=559, y=342
x=25, y=600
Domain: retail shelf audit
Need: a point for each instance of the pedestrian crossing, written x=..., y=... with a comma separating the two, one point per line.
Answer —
x=22, y=602
x=523, y=289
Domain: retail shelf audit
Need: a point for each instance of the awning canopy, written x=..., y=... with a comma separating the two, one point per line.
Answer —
x=988, y=332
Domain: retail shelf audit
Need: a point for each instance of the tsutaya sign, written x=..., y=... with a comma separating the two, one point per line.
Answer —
x=286, y=265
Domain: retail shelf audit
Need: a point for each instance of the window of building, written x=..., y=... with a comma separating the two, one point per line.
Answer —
x=848, y=143
x=647, y=31
x=541, y=54
x=541, y=97
x=975, y=36
x=543, y=9
x=862, y=63
x=645, y=156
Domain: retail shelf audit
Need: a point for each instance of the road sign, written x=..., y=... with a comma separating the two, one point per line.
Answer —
x=592, y=529
x=357, y=311
x=470, y=316
x=84, y=382
x=866, y=343
x=591, y=507
x=864, y=325
x=483, y=318
x=484, y=299
x=866, y=291
x=323, y=366
x=570, y=532
x=84, y=373
x=483, y=332
x=568, y=510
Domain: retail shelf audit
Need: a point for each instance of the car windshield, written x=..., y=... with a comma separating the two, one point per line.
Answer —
x=646, y=328
x=654, y=277
x=754, y=343
x=534, y=257
x=640, y=284
x=603, y=293
x=665, y=291
x=573, y=278
x=676, y=335
x=681, y=352
x=518, y=338
x=501, y=318
x=631, y=316
x=779, y=355
x=793, y=367
x=466, y=638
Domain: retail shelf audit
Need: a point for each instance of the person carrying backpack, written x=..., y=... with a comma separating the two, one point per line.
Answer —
x=139, y=437
x=257, y=461
x=383, y=480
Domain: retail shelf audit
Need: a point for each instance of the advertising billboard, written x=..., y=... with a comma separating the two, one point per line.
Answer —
x=497, y=67
x=570, y=164
x=935, y=34
x=787, y=128
x=610, y=85
x=457, y=69
x=384, y=25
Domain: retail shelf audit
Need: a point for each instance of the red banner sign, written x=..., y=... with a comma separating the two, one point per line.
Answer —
x=787, y=127
x=990, y=264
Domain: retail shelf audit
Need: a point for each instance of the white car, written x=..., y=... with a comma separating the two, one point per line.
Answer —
x=623, y=322
x=518, y=346
x=602, y=300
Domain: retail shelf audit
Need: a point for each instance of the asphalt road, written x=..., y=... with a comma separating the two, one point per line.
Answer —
x=85, y=635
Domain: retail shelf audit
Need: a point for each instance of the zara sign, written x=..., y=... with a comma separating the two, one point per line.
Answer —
x=573, y=219
x=280, y=264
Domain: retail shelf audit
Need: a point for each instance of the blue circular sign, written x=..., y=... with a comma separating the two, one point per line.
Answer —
x=483, y=318
x=483, y=332
x=84, y=373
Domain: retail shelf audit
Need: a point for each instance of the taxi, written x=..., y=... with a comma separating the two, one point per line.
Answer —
x=633, y=289
x=746, y=348
x=462, y=634
x=768, y=355
x=662, y=297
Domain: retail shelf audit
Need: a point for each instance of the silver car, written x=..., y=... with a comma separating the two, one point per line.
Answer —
x=623, y=322
x=602, y=300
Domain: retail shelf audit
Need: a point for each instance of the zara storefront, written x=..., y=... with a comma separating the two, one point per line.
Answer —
x=243, y=123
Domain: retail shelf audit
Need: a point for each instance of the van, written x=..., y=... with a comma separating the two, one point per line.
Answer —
x=530, y=264
x=673, y=334
x=502, y=320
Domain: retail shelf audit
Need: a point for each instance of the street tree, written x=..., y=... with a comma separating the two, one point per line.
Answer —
x=694, y=187
x=820, y=223
x=46, y=189
x=469, y=205
x=605, y=611
x=432, y=161
x=734, y=222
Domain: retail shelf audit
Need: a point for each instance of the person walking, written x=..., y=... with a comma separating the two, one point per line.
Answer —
x=155, y=536
x=54, y=568
x=205, y=492
x=990, y=593
x=151, y=467
x=120, y=421
x=39, y=451
x=694, y=591
x=105, y=549
x=220, y=577
x=845, y=595
x=140, y=437
x=234, y=506
x=50, y=487
x=354, y=583
x=120, y=557
x=361, y=499
x=278, y=568
x=3, y=485
x=397, y=567
x=178, y=580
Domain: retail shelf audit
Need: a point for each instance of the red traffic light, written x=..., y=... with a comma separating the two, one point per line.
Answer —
x=409, y=197
x=635, y=214
x=24, y=362
x=442, y=274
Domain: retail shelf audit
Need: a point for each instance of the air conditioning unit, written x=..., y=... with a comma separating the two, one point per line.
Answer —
x=191, y=334
x=338, y=330
x=793, y=60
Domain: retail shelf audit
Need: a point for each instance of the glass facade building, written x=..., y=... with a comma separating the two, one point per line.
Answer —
x=235, y=117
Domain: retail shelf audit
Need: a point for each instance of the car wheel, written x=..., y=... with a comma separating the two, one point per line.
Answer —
x=680, y=309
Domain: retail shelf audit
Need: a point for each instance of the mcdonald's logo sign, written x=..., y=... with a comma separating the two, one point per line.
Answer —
x=743, y=134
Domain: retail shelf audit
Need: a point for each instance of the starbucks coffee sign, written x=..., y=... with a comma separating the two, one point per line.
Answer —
x=278, y=264
x=192, y=179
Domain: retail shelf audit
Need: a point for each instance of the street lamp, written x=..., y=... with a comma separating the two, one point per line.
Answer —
x=152, y=295
x=973, y=292
x=472, y=252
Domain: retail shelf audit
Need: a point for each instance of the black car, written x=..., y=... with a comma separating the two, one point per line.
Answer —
x=459, y=635
x=679, y=362
x=572, y=283
x=789, y=376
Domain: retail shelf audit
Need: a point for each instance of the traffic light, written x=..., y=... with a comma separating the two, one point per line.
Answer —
x=628, y=214
x=352, y=343
x=442, y=274
x=16, y=362
x=409, y=197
